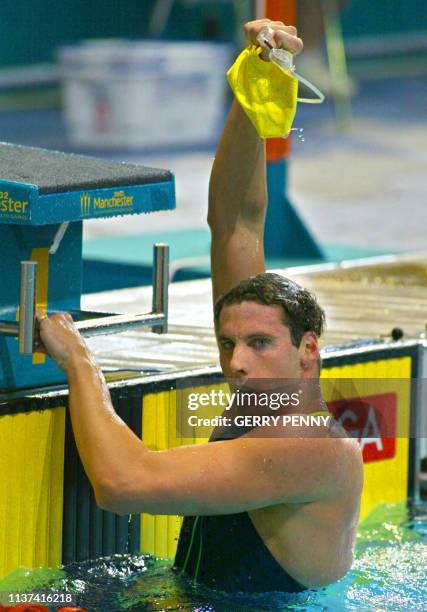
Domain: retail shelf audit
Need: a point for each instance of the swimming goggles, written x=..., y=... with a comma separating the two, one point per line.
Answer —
x=285, y=60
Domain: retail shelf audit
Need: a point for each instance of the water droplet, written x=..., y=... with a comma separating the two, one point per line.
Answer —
x=299, y=133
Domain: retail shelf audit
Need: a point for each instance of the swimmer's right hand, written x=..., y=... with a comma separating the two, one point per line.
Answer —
x=59, y=338
x=275, y=33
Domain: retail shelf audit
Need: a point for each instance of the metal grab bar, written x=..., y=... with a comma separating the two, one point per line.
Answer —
x=9, y=328
x=27, y=307
x=99, y=323
x=114, y=324
x=161, y=285
x=24, y=329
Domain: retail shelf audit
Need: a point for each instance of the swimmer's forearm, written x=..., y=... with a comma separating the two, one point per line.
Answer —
x=109, y=450
x=237, y=189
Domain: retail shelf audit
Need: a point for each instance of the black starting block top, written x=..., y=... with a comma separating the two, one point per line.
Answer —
x=38, y=186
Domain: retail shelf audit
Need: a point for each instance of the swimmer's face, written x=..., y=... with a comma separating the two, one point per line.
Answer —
x=254, y=343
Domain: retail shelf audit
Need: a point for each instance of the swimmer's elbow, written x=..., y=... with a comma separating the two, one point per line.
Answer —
x=104, y=498
x=111, y=497
x=129, y=494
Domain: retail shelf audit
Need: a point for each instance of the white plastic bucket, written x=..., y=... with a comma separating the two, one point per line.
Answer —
x=144, y=94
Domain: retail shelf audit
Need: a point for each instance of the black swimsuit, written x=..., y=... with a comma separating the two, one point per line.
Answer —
x=226, y=552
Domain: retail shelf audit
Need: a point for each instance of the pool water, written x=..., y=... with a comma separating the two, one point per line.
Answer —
x=389, y=573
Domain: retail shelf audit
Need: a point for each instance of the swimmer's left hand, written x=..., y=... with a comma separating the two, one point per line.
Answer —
x=59, y=338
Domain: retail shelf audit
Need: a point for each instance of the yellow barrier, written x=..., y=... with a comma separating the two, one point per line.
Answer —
x=386, y=480
x=31, y=489
x=32, y=466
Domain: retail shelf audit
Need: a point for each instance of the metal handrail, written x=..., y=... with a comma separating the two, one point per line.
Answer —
x=99, y=323
x=27, y=307
x=117, y=323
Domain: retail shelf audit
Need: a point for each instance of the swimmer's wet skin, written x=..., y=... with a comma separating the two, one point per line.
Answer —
x=206, y=541
x=282, y=510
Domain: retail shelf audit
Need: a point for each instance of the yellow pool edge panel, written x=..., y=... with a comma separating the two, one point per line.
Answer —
x=32, y=464
x=31, y=489
x=385, y=480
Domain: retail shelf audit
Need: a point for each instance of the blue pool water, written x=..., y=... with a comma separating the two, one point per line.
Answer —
x=389, y=573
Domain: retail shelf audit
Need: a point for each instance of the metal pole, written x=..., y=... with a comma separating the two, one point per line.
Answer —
x=259, y=9
x=160, y=17
x=417, y=476
x=161, y=284
x=27, y=307
x=337, y=63
x=9, y=328
x=115, y=324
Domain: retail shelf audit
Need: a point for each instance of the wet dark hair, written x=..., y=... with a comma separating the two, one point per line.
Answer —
x=301, y=312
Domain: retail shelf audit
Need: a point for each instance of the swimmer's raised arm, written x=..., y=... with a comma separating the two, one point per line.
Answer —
x=237, y=190
x=237, y=204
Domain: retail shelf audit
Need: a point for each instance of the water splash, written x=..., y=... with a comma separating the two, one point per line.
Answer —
x=299, y=133
x=389, y=573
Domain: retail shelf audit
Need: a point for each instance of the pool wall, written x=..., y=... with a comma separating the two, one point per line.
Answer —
x=48, y=514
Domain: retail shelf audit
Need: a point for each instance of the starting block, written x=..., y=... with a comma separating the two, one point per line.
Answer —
x=44, y=198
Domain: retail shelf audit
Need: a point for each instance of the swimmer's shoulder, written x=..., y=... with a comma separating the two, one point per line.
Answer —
x=347, y=444
x=346, y=453
x=349, y=456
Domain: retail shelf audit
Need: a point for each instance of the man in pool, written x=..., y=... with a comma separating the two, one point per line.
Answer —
x=263, y=511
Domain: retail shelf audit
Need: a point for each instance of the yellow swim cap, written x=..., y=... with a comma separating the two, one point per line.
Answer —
x=267, y=93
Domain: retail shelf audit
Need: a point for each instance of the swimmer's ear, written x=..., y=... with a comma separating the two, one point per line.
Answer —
x=309, y=352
